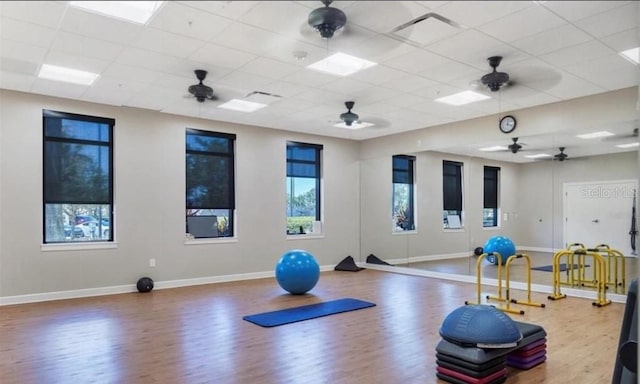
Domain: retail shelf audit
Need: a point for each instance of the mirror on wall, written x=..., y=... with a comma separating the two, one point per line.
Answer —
x=531, y=209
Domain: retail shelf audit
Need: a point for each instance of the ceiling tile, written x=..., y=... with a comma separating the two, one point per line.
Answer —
x=380, y=48
x=573, y=86
x=408, y=83
x=22, y=51
x=309, y=78
x=87, y=46
x=552, y=40
x=76, y=62
x=349, y=87
x=378, y=74
x=612, y=21
x=577, y=53
x=473, y=48
x=221, y=56
x=244, y=81
x=15, y=81
x=58, y=89
x=623, y=40
x=366, y=14
x=283, y=18
x=99, y=27
x=147, y=59
x=609, y=72
x=475, y=13
x=45, y=13
x=167, y=43
x=415, y=61
x=518, y=25
x=577, y=10
x=23, y=32
x=247, y=38
x=229, y=9
x=269, y=68
x=188, y=21
x=131, y=73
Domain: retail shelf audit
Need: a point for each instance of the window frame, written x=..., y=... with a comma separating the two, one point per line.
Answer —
x=494, y=200
x=109, y=144
x=317, y=163
x=230, y=153
x=409, y=170
x=448, y=205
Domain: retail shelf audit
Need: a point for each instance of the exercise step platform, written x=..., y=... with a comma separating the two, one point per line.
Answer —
x=473, y=365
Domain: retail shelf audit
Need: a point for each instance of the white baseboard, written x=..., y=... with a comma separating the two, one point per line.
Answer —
x=117, y=289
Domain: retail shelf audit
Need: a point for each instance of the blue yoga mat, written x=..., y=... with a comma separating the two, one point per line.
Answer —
x=549, y=268
x=306, y=312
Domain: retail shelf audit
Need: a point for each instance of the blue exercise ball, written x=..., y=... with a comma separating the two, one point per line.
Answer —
x=297, y=272
x=500, y=244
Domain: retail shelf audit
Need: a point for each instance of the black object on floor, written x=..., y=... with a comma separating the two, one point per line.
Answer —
x=348, y=264
x=373, y=259
x=549, y=268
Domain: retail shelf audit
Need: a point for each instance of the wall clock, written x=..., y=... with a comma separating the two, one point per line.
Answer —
x=507, y=124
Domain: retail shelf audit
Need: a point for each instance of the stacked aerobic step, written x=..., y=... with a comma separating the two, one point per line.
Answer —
x=528, y=356
x=478, y=344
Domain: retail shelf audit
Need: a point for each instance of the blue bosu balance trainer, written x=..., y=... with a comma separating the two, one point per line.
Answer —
x=479, y=342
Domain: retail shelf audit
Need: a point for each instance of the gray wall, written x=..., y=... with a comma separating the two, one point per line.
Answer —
x=149, y=196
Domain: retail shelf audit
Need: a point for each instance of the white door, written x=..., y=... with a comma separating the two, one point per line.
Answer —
x=599, y=213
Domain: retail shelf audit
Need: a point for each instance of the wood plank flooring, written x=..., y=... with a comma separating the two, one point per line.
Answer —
x=197, y=335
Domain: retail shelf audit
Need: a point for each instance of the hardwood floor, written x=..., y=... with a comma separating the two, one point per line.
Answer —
x=197, y=335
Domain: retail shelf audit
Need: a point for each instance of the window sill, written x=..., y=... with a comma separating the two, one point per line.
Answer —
x=452, y=230
x=59, y=247
x=212, y=240
x=410, y=232
x=306, y=236
x=490, y=228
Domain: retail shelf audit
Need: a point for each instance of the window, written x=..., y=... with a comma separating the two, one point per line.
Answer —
x=490, y=209
x=403, y=192
x=452, y=194
x=210, y=194
x=78, y=178
x=303, y=187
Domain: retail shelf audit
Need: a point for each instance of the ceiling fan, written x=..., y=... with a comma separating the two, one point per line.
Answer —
x=327, y=20
x=495, y=80
x=349, y=117
x=561, y=156
x=200, y=91
x=515, y=147
x=352, y=120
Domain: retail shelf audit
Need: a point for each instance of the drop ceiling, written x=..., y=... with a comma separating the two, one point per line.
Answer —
x=553, y=51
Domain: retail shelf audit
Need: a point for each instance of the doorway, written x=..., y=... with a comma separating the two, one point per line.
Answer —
x=599, y=213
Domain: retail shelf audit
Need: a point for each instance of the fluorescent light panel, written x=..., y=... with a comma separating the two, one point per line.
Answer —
x=67, y=75
x=493, y=149
x=242, y=105
x=462, y=98
x=354, y=125
x=139, y=12
x=341, y=64
x=633, y=55
x=595, y=135
x=628, y=145
x=538, y=156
